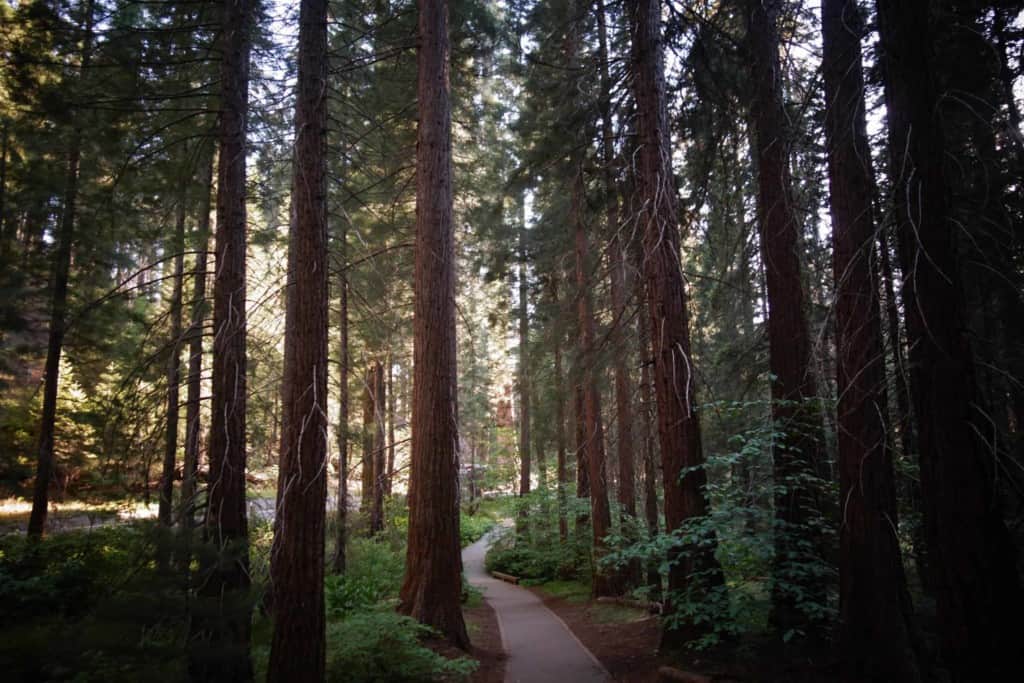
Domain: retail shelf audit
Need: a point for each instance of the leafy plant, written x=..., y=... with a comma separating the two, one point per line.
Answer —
x=473, y=527
x=373, y=575
x=386, y=647
x=742, y=525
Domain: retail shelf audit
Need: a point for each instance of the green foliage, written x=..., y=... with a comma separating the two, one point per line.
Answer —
x=535, y=552
x=90, y=606
x=742, y=526
x=64, y=574
x=384, y=646
x=571, y=591
x=473, y=527
x=373, y=576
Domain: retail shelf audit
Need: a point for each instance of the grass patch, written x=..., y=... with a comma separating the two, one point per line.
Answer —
x=616, y=614
x=570, y=591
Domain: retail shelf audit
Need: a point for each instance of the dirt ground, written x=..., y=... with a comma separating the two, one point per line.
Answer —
x=624, y=639
x=486, y=639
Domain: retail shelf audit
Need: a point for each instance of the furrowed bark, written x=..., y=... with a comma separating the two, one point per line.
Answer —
x=220, y=640
x=674, y=390
x=798, y=455
x=298, y=648
x=432, y=588
x=874, y=604
x=605, y=582
x=973, y=562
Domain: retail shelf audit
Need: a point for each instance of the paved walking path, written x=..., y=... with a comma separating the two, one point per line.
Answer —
x=540, y=647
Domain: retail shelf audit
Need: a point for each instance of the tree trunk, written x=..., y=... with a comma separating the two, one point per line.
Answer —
x=341, y=533
x=562, y=472
x=678, y=423
x=582, y=469
x=58, y=310
x=977, y=590
x=5, y=237
x=392, y=412
x=617, y=277
x=604, y=582
x=165, y=514
x=797, y=454
x=524, y=363
x=226, y=654
x=379, y=453
x=369, y=432
x=193, y=425
x=911, y=486
x=298, y=647
x=647, y=434
x=874, y=605
x=433, y=580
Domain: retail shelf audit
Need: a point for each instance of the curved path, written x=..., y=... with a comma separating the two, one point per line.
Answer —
x=540, y=647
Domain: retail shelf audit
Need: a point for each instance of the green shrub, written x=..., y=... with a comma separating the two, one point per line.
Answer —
x=63, y=574
x=91, y=606
x=742, y=526
x=473, y=527
x=538, y=556
x=384, y=646
x=373, y=574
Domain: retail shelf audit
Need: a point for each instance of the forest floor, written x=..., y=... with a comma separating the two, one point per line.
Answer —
x=624, y=639
x=72, y=514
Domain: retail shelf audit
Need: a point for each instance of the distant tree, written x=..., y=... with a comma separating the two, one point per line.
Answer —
x=617, y=281
x=523, y=380
x=341, y=514
x=199, y=312
x=176, y=246
x=58, y=304
x=378, y=454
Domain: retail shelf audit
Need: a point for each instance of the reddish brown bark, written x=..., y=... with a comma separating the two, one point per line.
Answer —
x=225, y=653
x=605, y=582
x=797, y=454
x=678, y=423
x=432, y=588
x=341, y=532
x=298, y=647
x=874, y=605
x=379, y=453
x=369, y=433
x=392, y=413
x=972, y=559
x=646, y=411
x=617, y=277
x=524, y=359
x=580, y=432
x=560, y=441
